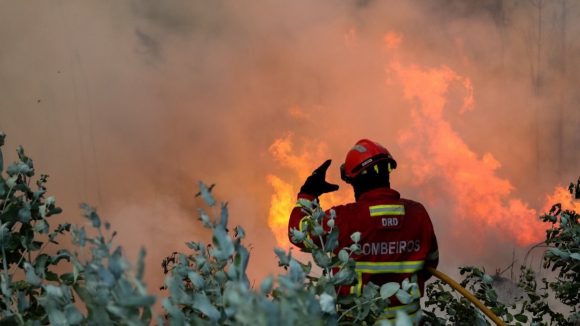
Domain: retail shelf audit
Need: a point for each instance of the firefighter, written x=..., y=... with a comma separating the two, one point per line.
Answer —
x=397, y=239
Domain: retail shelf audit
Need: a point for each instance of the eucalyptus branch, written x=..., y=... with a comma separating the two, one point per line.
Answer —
x=355, y=306
x=7, y=195
x=22, y=257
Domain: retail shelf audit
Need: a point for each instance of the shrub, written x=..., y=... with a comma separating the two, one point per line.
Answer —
x=563, y=240
x=211, y=286
x=206, y=287
x=111, y=291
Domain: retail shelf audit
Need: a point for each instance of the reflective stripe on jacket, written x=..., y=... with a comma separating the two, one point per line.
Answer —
x=397, y=239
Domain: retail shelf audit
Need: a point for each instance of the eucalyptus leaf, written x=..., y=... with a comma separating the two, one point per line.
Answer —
x=141, y=264
x=57, y=318
x=42, y=211
x=1, y=162
x=487, y=279
x=5, y=236
x=266, y=285
x=206, y=194
x=24, y=215
x=31, y=276
x=23, y=303
x=224, y=245
x=330, y=223
x=297, y=236
x=403, y=319
x=54, y=291
x=346, y=276
x=202, y=303
x=95, y=219
x=389, y=289
x=320, y=258
x=49, y=201
x=11, y=181
x=224, y=215
x=197, y=280
x=355, y=237
x=117, y=264
x=204, y=218
x=296, y=273
x=38, y=194
x=73, y=315
x=138, y=301
x=82, y=237
x=220, y=277
x=480, y=321
x=491, y=294
x=404, y=297
x=241, y=232
x=327, y=303
x=575, y=256
x=343, y=256
x=331, y=241
x=106, y=276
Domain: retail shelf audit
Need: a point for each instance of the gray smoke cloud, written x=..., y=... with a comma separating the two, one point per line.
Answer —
x=126, y=105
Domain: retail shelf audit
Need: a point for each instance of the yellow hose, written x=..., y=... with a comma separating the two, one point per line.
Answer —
x=466, y=294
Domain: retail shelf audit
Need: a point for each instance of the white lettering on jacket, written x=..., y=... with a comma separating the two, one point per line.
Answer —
x=390, y=221
x=390, y=248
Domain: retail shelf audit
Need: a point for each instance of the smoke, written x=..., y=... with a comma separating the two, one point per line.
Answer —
x=140, y=99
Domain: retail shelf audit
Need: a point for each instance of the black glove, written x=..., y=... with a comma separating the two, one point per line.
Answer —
x=316, y=184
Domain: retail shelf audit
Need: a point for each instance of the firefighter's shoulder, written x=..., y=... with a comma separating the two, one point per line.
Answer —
x=341, y=209
x=411, y=205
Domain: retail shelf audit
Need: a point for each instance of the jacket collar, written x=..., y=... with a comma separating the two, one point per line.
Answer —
x=378, y=193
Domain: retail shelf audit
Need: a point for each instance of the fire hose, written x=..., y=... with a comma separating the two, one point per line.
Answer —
x=467, y=295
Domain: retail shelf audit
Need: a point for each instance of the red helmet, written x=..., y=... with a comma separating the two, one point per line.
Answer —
x=365, y=153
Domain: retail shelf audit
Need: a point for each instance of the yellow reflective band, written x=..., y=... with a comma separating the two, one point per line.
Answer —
x=380, y=210
x=395, y=267
x=377, y=168
x=415, y=293
x=413, y=310
x=359, y=286
x=307, y=233
x=433, y=255
x=298, y=202
x=391, y=312
x=364, y=172
x=390, y=170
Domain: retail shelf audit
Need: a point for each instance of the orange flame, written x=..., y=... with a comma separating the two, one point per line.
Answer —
x=436, y=152
x=284, y=197
x=562, y=195
x=281, y=205
x=436, y=155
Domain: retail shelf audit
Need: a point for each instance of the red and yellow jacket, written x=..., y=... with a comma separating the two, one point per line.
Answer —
x=397, y=241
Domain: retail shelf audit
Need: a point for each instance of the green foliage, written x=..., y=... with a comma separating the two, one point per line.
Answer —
x=210, y=286
x=207, y=287
x=563, y=256
x=109, y=288
x=24, y=235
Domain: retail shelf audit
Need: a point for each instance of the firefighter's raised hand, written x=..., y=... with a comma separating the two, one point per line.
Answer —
x=316, y=184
